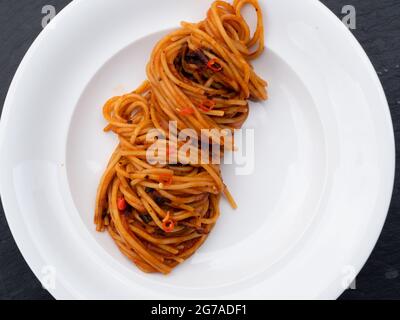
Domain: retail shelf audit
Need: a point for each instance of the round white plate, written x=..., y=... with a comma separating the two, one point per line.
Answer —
x=308, y=216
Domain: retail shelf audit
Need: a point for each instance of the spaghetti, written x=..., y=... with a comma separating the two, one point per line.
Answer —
x=200, y=77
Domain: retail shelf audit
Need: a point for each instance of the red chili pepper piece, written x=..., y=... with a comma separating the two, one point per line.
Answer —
x=166, y=178
x=186, y=111
x=168, y=226
x=168, y=223
x=214, y=65
x=207, y=105
x=121, y=203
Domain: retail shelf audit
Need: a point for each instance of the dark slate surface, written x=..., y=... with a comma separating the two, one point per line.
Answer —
x=378, y=30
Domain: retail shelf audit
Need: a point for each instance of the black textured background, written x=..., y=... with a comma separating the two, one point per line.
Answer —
x=378, y=30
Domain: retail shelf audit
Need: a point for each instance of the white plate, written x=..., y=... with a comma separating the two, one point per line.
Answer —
x=308, y=217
